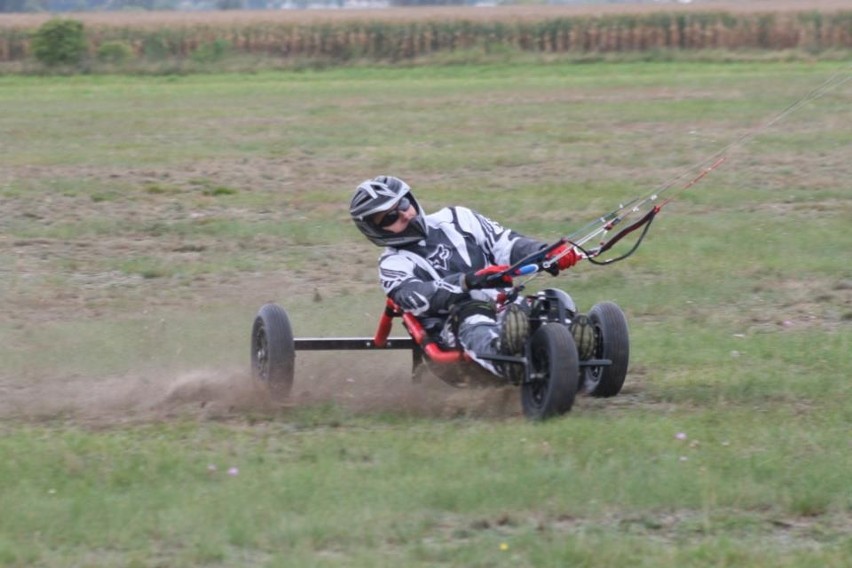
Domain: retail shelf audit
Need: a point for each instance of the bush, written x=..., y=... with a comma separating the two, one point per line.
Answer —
x=156, y=46
x=211, y=52
x=115, y=52
x=59, y=42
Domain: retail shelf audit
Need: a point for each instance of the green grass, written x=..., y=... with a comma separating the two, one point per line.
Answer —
x=419, y=490
x=145, y=220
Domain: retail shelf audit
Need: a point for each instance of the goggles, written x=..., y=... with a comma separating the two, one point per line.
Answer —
x=392, y=216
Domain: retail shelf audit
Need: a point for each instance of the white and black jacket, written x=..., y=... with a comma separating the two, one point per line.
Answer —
x=425, y=278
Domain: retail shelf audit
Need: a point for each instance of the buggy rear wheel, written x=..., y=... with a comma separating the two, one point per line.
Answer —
x=273, y=350
x=554, y=371
x=611, y=342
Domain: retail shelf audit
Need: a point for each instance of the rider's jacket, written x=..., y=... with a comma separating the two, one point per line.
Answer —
x=426, y=278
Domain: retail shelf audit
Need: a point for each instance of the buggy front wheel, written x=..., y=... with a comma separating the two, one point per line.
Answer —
x=554, y=371
x=273, y=351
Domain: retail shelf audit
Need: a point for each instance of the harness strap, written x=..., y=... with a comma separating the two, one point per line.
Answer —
x=646, y=220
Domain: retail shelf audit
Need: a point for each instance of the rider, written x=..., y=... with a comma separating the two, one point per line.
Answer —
x=437, y=267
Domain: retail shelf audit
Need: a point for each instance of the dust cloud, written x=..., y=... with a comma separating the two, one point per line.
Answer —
x=359, y=385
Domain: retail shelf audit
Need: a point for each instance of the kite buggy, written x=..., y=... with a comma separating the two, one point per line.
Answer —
x=564, y=351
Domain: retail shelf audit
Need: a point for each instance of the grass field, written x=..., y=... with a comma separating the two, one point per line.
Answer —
x=144, y=221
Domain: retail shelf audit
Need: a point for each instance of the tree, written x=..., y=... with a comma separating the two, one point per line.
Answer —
x=59, y=42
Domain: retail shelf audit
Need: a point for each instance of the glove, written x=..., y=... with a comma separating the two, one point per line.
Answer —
x=480, y=279
x=567, y=261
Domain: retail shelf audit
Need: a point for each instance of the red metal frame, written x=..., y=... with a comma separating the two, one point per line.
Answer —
x=416, y=331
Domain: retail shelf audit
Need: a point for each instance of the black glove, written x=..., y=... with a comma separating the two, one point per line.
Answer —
x=484, y=278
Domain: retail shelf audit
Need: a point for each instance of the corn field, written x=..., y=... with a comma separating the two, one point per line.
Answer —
x=399, y=38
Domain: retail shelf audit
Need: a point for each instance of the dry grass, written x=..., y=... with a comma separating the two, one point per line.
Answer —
x=412, y=14
x=335, y=36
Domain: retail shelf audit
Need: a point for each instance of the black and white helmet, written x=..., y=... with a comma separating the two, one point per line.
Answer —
x=383, y=193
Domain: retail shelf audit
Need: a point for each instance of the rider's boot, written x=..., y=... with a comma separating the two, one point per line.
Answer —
x=481, y=332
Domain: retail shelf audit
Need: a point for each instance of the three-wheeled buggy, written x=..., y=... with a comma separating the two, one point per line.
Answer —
x=565, y=352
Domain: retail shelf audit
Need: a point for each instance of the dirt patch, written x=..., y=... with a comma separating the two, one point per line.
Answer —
x=670, y=527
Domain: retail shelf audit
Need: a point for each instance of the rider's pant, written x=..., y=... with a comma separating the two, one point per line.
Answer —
x=474, y=326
